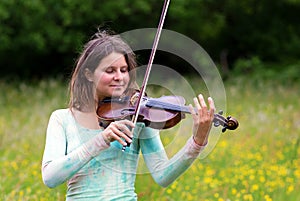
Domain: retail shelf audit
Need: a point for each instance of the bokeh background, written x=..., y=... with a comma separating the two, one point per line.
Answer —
x=41, y=38
x=254, y=44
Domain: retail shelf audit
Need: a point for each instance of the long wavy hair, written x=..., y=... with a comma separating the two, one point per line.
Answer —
x=82, y=91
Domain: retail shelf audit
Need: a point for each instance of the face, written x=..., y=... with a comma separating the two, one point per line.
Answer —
x=111, y=76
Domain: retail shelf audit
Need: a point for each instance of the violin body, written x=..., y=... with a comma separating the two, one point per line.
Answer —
x=153, y=115
x=159, y=113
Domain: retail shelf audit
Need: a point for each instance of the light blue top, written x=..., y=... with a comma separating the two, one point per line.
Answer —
x=97, y=171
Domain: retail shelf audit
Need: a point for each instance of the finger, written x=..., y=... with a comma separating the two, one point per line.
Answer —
x=211, y=103
x=202, y=101
x=124, y=124
x=130, y=126
x=126, y=130
x=193, y=113
x=122, y=129
x=197, y=105
x=117, y=137
x=127, y=127
x=110, y=134
x=128, y=123
x=192, y=110
x=121, y=134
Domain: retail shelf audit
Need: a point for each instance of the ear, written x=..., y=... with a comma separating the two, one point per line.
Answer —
x=89, y=75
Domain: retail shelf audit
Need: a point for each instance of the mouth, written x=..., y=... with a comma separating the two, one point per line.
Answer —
x=117, y=86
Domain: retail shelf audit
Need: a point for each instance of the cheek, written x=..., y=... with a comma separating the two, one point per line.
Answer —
x=102, y=79
x=127, y=78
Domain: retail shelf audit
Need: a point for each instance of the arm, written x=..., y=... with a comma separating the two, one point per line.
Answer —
x=57, y=165
x=163, y=170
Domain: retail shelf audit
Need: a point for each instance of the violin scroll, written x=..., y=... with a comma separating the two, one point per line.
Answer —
x=229, y=123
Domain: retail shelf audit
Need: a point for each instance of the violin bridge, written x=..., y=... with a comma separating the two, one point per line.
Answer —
x=134, y=99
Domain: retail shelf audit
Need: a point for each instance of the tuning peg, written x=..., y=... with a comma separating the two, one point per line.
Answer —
x=216, y=124
x=224, y=129
x=220, y=112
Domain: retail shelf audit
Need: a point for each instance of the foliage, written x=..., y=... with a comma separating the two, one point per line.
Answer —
x=46, y=35
x=258, y=161
x=254, y=69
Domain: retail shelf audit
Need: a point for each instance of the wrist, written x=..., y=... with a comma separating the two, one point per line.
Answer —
x=204, y=143
x=106, y=140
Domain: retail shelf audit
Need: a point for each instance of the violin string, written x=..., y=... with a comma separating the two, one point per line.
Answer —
x=181, y=108
x=169, y=106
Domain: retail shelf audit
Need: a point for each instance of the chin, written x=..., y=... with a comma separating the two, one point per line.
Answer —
x=117, y=93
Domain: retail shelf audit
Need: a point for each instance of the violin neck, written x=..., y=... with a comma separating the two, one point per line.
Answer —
x=168, y=106
x=173, y=107
x=218, y=118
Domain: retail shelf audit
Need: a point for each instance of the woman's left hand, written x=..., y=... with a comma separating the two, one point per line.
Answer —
x=202, y=119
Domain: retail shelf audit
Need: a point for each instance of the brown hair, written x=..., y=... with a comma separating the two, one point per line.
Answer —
x=82, y=91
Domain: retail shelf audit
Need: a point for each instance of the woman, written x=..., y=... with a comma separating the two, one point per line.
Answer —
x=89, y=157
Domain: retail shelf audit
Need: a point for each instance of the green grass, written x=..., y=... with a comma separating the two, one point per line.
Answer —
x=258, y=161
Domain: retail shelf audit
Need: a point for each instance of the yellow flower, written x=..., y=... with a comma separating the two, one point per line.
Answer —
x=248, y=197
x=223, y=144
x=28, y=190
x=186, y=188
x=207, y=180
x=233, y=191
x=210, y=172
x=297, y=173
x=290, y=189
x=21, y=193
x=169, y=191
x=254, y=187
x=262, y=179
x=268, y=198
x=251, y=177
x=190, y=197
x=14, y=165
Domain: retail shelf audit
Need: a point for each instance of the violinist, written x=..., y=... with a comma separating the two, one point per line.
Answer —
x=89, y=157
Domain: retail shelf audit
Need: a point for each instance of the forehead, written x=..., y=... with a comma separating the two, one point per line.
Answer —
x=113, y=59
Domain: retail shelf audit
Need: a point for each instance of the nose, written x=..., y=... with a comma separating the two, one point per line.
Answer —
x=118, y=75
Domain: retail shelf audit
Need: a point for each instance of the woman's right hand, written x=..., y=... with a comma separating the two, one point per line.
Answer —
x=119, y=130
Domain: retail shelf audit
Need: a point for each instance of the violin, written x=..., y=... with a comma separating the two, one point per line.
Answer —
x=159, y=113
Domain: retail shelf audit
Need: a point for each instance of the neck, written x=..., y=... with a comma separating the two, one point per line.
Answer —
x=88, y=119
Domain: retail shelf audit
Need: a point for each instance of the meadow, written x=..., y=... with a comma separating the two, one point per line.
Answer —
x=258, y=161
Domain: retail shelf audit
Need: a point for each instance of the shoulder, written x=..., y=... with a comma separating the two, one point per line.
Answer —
x=60, y=114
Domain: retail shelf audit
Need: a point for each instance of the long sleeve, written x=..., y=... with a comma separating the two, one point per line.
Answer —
x=57, y=165
x=163, y=170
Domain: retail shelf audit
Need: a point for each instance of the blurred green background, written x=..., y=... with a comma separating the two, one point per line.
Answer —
x=42, y=38
x=254, y=44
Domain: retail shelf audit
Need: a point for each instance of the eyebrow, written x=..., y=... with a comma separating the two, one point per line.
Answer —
x=117, y=66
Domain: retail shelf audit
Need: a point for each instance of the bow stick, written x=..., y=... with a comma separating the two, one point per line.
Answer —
x=149, y=66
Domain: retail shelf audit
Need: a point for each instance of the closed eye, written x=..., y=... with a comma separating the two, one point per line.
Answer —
x=112, y=69
x=109, y=70
x=124, y=69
